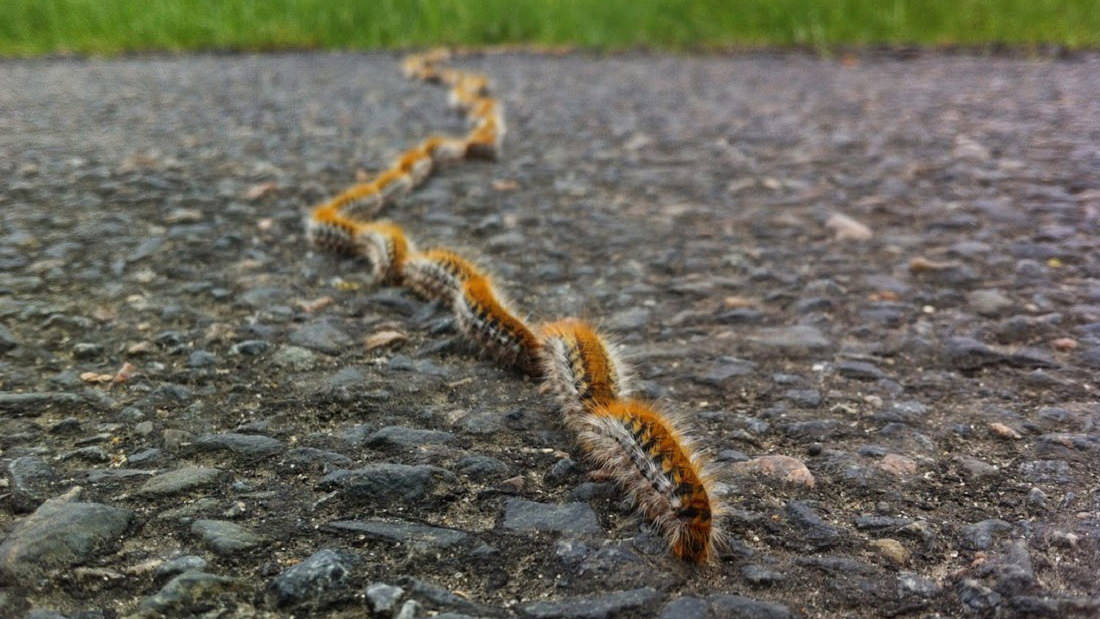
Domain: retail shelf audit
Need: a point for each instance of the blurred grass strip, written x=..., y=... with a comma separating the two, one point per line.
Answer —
x=29, y=27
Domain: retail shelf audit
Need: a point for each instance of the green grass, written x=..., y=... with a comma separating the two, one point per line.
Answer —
x=30, y=27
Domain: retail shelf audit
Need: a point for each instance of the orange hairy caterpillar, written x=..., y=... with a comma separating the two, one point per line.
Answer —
x=663, y=476
x=438, y=274
x=638, y=446
x=581, y=369
x=484, y=141
x=488, y=322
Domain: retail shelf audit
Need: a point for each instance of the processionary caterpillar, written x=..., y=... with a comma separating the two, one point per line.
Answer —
x=639, y=447
x=644, y=452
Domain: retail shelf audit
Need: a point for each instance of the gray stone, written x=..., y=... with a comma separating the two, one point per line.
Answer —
x=250, y=348
x=7, y=340
x=60, y=533
x=481, y=467
x=263, y=297
x=110, y=476
x=481, y=423
x=989, y=302
x=201, y=359
x=685, y=608
x=439, y=597
x=976, y=596
x=524, y=515
x=181, y=564
x=739, y=607
x=806, y=398
x=589, y=490
x=356, y=435
x=322, y=337
x=37, y=403
x=1012, y=570
x=967, y=353
x=906, y=411
x=187, y=512
x=793, y=340
x=1046, y=471
x=740, y=315
x=249, y=445
x=726, y=369
x=401, y=532
x=314, y=579
x=294, y=358
x=594, y=607
x=180, y=480
x=188, y=594
x=615, y=566
x=560, y=471
x=979, y=536
x=1090, y=357
x=1030, y=357
x=386, y=481
x=880, y=524
x=30, y=481
x=404, y=437
x=810, y=527
x=859, y=370
x=313, y=456
x=633, y=319
x=411, y=609
x=151, y=455
x=910, y=583
x=761, y=576
x=93, y=453
x=87, y=350
x=383, y=597
x=224, y=537
x=146, y=248
x=975, y=468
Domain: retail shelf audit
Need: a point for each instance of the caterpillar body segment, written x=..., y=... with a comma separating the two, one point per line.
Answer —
x=332, y=237
x=416, y=163
x=659, y=470
x=488, y=322
x=449, y=77
x=443, y=150
x=485, y=140
x=420, y=65
x=360, y=202
x=384, y=245
x=438, y=274
x=328, y=229
x=449, y=151
x=393, y=183
x=466, y=90
x=581, y=369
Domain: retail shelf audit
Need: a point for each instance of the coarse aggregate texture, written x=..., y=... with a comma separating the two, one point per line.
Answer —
x=928, y=364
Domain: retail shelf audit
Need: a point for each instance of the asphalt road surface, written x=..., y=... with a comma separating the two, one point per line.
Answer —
x=886, y=270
